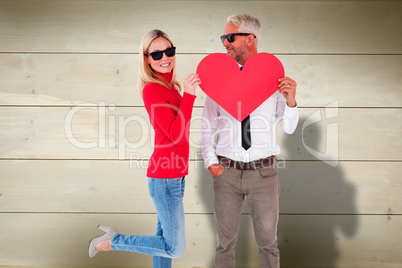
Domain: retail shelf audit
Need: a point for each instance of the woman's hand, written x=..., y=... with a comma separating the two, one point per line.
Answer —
x=191, y=82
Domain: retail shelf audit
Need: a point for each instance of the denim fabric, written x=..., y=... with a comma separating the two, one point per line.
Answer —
x=169, y=241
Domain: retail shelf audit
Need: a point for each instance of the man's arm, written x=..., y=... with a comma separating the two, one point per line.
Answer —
x=209, y=128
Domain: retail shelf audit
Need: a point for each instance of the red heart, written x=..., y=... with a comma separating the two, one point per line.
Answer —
x=240, y=92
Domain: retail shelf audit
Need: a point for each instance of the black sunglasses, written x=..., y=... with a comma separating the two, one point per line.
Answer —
x=231, y=37
x=157, y=55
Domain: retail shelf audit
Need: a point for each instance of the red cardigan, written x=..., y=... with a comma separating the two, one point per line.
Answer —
x=170, y=115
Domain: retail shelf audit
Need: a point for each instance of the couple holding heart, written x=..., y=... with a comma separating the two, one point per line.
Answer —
x=247, y=97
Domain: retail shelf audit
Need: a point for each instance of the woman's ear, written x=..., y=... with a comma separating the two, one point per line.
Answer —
x=146, y=59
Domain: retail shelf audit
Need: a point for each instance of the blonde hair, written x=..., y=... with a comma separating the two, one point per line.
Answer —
x=247, y=24
x=145, y=72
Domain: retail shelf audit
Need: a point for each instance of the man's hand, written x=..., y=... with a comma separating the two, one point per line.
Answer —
x=216, y=170
x=287, y=87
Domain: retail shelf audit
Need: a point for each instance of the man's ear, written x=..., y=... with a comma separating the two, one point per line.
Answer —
x=250, y=40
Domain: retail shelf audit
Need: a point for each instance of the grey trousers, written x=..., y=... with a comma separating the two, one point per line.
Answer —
x=261, y=189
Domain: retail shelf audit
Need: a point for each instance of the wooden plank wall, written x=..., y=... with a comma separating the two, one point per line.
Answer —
x=75, y=138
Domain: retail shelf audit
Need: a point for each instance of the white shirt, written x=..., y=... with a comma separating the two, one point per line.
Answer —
x=221, y=132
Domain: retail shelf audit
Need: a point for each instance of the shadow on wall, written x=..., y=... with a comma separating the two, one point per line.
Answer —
x=317, y=204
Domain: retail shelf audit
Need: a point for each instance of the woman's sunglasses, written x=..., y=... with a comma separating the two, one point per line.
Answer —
x=231, y=37
x=157, y=55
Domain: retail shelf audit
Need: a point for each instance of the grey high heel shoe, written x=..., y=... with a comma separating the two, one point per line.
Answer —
x=110, y=232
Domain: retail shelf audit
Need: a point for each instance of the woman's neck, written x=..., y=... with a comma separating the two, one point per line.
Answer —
x=167, y=76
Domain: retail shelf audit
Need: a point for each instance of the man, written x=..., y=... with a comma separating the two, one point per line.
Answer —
x=241, y=158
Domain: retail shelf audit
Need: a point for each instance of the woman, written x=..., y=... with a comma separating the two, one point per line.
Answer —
x=170, y=114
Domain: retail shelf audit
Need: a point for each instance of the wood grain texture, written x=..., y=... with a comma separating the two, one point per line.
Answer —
x=289, y=27
x=315, y=241
x=120, y=187
x=104, y=79
x=125, y=133
x=75, y=137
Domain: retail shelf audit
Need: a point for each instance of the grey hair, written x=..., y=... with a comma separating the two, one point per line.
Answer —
x=247, y=24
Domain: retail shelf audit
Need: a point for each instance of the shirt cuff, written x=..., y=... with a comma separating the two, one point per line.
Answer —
x=189, y=96
x=291, y=110
x=210, y=161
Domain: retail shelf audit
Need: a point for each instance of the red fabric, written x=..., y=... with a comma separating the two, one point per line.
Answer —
x=170, y=116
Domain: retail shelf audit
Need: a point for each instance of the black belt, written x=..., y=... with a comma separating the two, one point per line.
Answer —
x=260, y=163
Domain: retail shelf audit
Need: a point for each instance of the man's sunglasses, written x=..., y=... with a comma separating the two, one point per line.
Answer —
x=157, y=55
x=231, y=37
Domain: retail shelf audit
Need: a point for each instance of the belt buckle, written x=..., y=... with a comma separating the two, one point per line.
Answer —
x=246, y=165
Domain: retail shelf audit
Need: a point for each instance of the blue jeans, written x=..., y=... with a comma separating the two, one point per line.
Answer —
x=169, y=241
